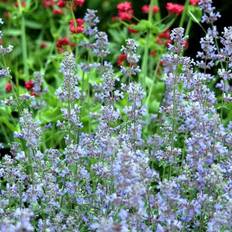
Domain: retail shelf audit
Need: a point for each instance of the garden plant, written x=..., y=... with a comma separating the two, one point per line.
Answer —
x=108, y=124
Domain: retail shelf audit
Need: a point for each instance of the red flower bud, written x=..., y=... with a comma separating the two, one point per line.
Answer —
x=121, y=59
x=29, y=84
x=57, y=12
x=48, y=3
x=61, y=3
x=194, y=2
x=8, y=87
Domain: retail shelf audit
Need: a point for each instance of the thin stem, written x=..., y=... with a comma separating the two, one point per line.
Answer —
x=183, y=17
x=154, y=80
x=23, y=40
x=174, y=109
x=69, y=115
x=146, y=49
x=189, y=25
x=157, y=15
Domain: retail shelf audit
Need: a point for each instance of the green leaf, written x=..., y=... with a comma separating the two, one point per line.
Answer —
x=33, y=24
x=195, y=13
x=154, y=106
x=142, y=26
x=148, y=81
x=49, y=115
x=12, y=32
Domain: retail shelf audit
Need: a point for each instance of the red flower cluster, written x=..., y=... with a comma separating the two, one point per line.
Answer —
x=23, y=4
x=121, y=59
x=131, y=29
x=145, y=9
x=60, y=43
x=165, y=35
x=76, y=25
x=58, y=5
x=29, y=84
x=48, y=3
x=173, y=8
x=57, y=11
x=125, y=11
x=79, y=3
x=61, y=3
x=164, y=38
x=8, y=87
x=193, y=2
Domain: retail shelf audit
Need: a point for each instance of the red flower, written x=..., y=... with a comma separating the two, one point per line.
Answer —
x=168, y=42
x=43, y=45
x=131, y=30
x=186, y=44
x=163, y=38
x=33, y=94
x=6, y=14
x=76, y=25
x=159, y=41
x=8, y=87
x=62, y=42
x=48, y=3
x=153, y=53
x=155, y=9
x=114, y=18
x=193, y=2
x=121, y=59
x=173, y=8
x=125, y=11
x=23, y=4
x=61, y=3
x=79, y=3
x=29, y=84
x=165, y=35
x=57, y=12
x=145, y=9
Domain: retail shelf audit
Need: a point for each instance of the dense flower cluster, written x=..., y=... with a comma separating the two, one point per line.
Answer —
x=125, y=11
x=131, y=57
x=174, y=8
x=57, y=6
x=3, y=51
x=209, y=16
x=76, y=25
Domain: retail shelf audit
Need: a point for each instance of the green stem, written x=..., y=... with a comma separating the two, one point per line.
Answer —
x=146, y=49
x=157, y=15
x=23, y=41
x=69, y=115
x=173, y=120
x=189, y=25
x=151, y=88
x=183, y=17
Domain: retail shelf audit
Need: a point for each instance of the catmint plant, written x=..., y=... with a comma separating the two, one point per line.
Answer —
x=108, y=170
x=4, y=72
